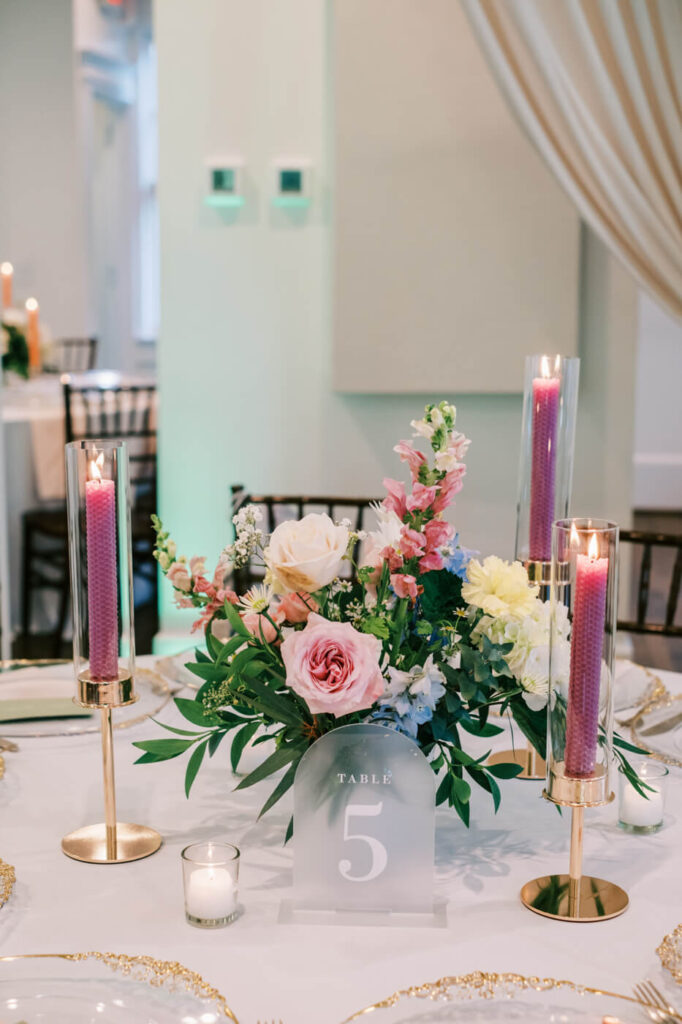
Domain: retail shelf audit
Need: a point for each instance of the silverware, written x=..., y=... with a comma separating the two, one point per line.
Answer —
x=658, y=1010
x=665, y=726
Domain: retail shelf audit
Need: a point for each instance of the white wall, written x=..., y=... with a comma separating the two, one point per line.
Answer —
x=245, y=348
x=42, y=231
x=658, y=409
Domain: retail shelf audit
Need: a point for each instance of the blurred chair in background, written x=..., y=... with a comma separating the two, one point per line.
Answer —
x=75, y=355
x=657, y=579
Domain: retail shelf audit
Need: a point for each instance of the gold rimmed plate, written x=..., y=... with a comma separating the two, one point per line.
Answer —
x=484, y=998
x=109, y=988
x=52, y=681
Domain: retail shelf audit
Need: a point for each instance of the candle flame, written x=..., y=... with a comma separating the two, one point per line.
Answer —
x=31, y=305
x=593, y=547
x=544, y=366
x=575, y=538
x=6, y=269
x=95, y=467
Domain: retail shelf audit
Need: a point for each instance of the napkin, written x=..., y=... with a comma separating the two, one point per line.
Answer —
x=18, y=710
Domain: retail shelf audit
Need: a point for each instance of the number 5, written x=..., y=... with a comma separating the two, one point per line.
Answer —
x=378, y=850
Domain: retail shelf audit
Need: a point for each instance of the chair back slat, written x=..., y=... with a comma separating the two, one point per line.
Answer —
x=645, y=621
x=674, y=592
x=644, y=583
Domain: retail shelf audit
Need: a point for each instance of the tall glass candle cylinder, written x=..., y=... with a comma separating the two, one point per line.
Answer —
x=583, y=599
x=98, y=508
x=546, y=462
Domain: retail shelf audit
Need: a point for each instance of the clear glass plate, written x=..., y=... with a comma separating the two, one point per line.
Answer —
x=98, y=988
x=55, y=679
x=658, y=729
x=489, y=998
x=173, y=669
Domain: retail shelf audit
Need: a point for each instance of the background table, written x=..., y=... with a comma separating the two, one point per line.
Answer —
x=313, y=974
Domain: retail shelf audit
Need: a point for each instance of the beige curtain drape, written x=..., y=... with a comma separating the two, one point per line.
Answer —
x=597, y=85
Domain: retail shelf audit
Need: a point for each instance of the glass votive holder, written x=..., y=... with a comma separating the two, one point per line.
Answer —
x=210, y=872
x=637, y=813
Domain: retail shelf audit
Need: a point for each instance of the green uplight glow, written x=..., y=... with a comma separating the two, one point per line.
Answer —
x=291, y=202
x=224, y=201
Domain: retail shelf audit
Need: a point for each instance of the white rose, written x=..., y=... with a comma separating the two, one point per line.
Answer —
x=306, y=554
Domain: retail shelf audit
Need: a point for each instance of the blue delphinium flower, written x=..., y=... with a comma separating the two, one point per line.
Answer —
x=410, y=698
x=458, y=559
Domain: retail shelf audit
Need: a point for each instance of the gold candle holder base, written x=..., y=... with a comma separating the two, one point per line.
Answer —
x=111, y=842
x=574, y=897
x=594, y=898
x=533, y=767
x=95, y=845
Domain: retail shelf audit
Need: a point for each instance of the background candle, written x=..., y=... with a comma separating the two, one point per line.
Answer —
x=546, y=391
x=33, y=333
x=587, y=635
x=100, y=516
x=7, y=277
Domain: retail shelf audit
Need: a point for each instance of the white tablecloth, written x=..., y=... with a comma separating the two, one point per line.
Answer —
x=305, y=974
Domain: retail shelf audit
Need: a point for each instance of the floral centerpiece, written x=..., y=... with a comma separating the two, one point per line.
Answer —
x=401, y=626
x=14, y=344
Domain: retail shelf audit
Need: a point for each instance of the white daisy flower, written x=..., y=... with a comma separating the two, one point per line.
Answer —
x=257, y=599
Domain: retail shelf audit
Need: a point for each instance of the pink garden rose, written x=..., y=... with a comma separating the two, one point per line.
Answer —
x=296, y=607
x=333, y=667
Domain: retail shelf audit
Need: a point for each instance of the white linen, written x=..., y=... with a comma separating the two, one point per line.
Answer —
x=307, y=974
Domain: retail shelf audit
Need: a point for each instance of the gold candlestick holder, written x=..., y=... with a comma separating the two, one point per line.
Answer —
x=579, y=726
x=100, y=557
x=112, y=841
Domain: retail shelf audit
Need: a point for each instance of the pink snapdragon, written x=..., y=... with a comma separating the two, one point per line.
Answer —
x=422, y=498
x=405, y=585
x=409, y=454
x=395, y=500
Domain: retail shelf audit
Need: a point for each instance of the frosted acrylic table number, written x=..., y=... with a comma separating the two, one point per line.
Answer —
x=364, y=814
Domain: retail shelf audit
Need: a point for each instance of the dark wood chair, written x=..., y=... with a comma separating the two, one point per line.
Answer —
x=646, y=621
x=95, y=406
x=277, y=508
x=75, y=355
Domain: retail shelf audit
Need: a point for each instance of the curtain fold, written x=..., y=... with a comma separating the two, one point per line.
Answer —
x=597, y=86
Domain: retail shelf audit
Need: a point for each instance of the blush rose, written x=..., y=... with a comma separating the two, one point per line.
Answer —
x=333, y=667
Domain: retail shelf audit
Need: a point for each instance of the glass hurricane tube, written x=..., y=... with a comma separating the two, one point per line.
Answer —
x=582, y=646
x=100, y=553
x=546, y=459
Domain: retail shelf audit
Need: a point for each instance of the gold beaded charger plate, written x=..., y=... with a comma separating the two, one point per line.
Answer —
x=173, y=668
x=634, y=686
x=489, y=998
x=51, y=683
x=109, y=988
x=670, y=953
x=658, y=729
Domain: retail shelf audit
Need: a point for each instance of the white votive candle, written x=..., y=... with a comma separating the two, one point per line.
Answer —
x=639, y=813
x=211, y=894
x=210, y=873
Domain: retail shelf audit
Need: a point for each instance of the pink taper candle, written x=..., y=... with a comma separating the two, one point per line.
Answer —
x=587, y=637
x=100, y=519
x=543, y=468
